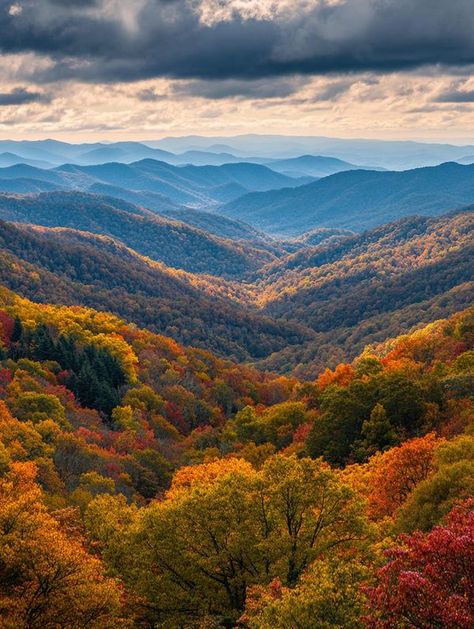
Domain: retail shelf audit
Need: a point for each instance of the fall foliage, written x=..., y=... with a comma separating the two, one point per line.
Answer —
x=429, y=579
x=144, y=483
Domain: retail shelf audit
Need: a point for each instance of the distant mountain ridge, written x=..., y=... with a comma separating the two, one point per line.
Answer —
x=44, y=154
x=357, y=200
x=197, y=186
x=10, y=159
x=390, y=154
x=256, y=148
x=313, y=166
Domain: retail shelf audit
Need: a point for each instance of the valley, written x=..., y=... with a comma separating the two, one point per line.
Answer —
x=236, y=314
x=293, y=305
x=223, y=387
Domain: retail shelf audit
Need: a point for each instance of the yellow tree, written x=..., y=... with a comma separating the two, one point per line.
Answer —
x=329, y=596
x=224, y=527
x=46, y=579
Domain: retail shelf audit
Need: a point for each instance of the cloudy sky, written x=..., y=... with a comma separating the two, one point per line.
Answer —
x=143, y=69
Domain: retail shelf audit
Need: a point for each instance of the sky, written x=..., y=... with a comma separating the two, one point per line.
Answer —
x=87, y=70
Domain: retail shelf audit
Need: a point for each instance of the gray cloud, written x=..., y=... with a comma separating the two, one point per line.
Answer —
x=456, y=96
x=76, y=3
x=334, y=90
x=239, y=89
x=21, y=96
x=149, y=95
x=89, y=41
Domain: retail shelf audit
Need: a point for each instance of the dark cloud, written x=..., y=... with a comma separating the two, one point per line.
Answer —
x=239, y=89
x=21, y=96
x=456, y=96
x=75, y=3
x=334, y=90
x=167, y=38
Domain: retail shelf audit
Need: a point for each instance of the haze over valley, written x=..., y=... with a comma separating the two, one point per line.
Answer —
x=236, y=314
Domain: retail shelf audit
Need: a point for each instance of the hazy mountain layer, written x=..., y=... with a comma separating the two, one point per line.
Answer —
x=357, y=200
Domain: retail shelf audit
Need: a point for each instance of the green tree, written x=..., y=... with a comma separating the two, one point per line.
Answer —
x=344, y=410
x=377, y=432
x=452, y=480
x=226, y=526
x=329, y=596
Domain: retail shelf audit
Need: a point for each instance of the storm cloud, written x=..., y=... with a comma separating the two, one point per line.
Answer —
x=22, y=96
x=111, y=41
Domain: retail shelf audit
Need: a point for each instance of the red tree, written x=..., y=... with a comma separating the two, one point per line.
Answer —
x=429, y=581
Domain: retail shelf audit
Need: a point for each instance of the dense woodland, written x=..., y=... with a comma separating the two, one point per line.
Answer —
x=145, y=484
x=292, y=307
x=174, y=243
x=356, y=199
x=203, y=427
x=69, y=267
x=236, y=360
x=370, y=286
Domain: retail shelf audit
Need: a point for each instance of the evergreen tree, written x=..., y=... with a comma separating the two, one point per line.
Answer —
x=378, y=432
x=45, y=347
x=17, y=330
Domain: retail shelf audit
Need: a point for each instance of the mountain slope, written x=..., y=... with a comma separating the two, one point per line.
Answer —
x=299, y=312
x=196, y=186
x=311, y=165
x=68, y=267
x=166, y=240
x=218, y=225
x=357, y=200
x=125, y=152
x=23, y=185
x=11, y=159
x=361, y=271
x=371, y=286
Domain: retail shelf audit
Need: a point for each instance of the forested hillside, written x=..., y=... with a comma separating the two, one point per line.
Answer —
x=236, y=360
x=247, y=298
x=172, y=242
x=366, y=288
x=70, y=267
x=146, y=484
x=357, y=199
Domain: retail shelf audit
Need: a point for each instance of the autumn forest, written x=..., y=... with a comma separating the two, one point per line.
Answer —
x=206, y=425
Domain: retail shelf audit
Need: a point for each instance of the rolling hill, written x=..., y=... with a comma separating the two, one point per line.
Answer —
x=288, y=312
x=64, y=266
x=357, y=200
x=195, y=186
x=368, y=287
x=163, y=239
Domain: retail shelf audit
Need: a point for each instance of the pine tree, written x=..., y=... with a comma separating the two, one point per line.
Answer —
x=17, y=331
x=45, y=347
